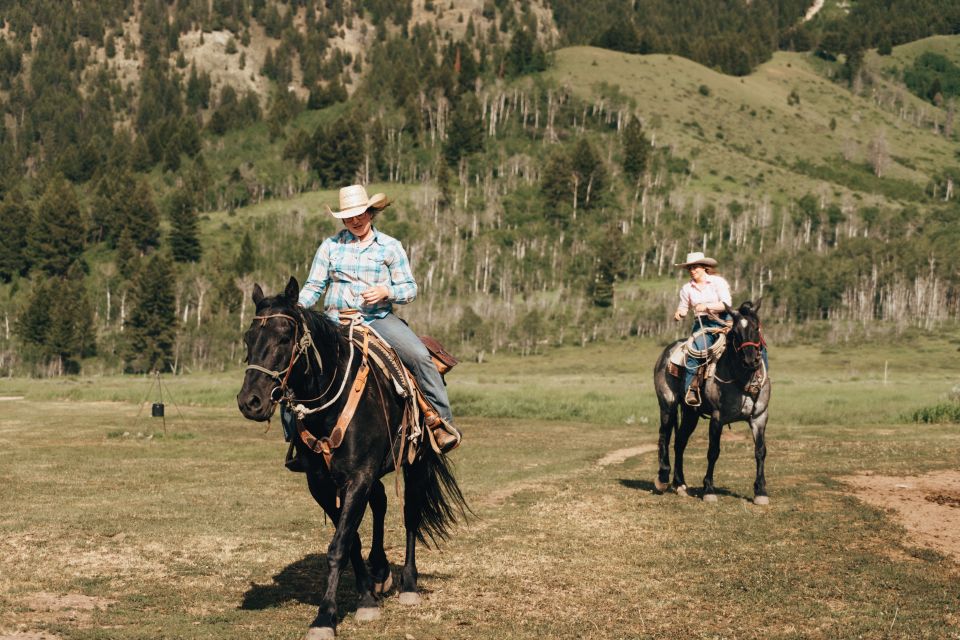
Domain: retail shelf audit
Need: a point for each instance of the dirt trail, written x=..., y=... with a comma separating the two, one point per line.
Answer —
x=620, y=455
x=927, y=506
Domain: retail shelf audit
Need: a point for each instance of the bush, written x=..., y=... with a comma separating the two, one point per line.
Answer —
x=945, y=412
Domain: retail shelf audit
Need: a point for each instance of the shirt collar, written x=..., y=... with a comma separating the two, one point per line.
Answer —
x=349, y=237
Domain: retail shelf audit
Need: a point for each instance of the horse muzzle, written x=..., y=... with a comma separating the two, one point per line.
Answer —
x=254, y=406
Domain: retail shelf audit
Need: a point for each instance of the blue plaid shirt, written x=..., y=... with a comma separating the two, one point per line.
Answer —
x=344, y=270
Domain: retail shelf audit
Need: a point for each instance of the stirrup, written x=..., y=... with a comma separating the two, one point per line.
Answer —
x=692, y=398
x=443, y=435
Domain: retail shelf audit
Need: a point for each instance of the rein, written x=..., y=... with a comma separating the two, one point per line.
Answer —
x=301, y=346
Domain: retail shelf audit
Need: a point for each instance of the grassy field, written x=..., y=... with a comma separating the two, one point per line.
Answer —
x=111, y=528
x=746, y=135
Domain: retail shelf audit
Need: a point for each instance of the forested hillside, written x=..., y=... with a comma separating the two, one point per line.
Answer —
x=158, y=158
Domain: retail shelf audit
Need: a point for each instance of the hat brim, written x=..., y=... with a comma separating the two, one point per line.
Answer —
x=707, y=262
x=379, y=201
x=348, y=213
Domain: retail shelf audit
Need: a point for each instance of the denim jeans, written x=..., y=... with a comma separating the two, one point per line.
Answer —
x=417, y=359
x=702, y=342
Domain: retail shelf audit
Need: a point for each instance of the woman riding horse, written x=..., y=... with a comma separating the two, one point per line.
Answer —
x=364, y=271
x=709, y=296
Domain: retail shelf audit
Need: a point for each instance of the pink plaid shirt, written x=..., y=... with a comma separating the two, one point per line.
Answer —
x=715, y=289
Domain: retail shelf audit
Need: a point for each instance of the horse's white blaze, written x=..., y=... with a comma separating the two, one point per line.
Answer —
x=744, y=323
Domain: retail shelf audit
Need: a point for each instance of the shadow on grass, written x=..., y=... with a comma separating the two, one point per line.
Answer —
x=302, y=581
x=305, y=580
x=694, y=492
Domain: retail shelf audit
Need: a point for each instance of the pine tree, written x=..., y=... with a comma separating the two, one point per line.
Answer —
x=127, y=260
x=152, y=326
x=247, y=257
x=56, y=235
x=590, y=175
x=184, y=239
x=13, y=236
x=465, y=134
x=556, y=186
x=635, y=149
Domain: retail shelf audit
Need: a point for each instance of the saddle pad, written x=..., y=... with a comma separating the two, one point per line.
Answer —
x=678, y=355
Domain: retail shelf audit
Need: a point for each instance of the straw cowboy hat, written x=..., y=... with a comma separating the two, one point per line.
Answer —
x=697, y=257
x=354, y=201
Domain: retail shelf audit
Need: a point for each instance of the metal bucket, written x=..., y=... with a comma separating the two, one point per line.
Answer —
x=157, y=410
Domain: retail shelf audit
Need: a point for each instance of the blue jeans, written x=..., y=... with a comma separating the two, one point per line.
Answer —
x=417, y=359
x=701, y=343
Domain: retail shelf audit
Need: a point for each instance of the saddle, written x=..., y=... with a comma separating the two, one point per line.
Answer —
x=677, y=362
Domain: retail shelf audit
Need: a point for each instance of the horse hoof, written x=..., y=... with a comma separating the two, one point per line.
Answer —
x=681, y=490
x=661, y=487
x=761, y=500
x=709, y=497
x=368, y=614
x=381, y=588
x=410, y=598
x=320, y=633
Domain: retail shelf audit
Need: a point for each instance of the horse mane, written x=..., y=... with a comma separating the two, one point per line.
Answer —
x=326, y=332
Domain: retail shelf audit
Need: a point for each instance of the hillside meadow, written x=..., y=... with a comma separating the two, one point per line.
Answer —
x=113, y=527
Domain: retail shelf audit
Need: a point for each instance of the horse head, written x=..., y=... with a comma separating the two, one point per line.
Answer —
x=745, y=335
x=272, y=349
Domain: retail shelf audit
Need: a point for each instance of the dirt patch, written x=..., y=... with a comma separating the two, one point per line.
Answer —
x=927, y=506
x=621, y=455
x=41, y=609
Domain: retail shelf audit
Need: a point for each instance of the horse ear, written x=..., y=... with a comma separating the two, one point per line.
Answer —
x=756, y=307
x=257, y=294
x=730, y=310
x=292, y=292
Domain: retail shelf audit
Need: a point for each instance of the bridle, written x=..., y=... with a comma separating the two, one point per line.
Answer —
x=283, y=375
x=759, y=344
x=303, y=344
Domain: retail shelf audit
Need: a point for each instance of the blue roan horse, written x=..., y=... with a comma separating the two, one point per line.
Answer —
x=724, y=399
x=283, y=365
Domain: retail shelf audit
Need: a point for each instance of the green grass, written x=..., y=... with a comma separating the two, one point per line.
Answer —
x=761, y=132
x=199, y=532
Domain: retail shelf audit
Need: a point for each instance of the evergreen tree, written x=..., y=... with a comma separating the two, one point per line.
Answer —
x=465, y=134
x=247, y=257
x=13, y=236
x=56, y=235
x=556, y=186
x=184, y=238
x=635, y=149
x=152, y=326
x=589, y=175
x=127, y=255
x=337, y=151
x=33, y=321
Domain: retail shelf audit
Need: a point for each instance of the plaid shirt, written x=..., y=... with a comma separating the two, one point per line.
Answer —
x=344, y=270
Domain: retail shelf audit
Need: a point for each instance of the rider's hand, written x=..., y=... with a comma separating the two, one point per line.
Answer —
x=376, y=294
x=678, y=316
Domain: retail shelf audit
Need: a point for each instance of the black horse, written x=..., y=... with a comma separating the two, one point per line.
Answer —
x=724, y=399
x=284, y=366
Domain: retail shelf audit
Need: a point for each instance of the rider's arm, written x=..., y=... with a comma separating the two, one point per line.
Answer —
x=319, y=277
x=684, y=304
x=402, y=287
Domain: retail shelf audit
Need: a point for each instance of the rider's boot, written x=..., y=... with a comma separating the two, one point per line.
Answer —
x=444, y=434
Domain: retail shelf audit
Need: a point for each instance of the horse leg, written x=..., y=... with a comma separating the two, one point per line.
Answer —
x=345, y=541
x=411, y=522
x=688, y=422
x=713, y=453
x=668, y=423
x=325, y=493
x=377, y=560
x=758, y=426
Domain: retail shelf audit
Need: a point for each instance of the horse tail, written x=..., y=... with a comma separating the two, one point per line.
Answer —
x=434, y=502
